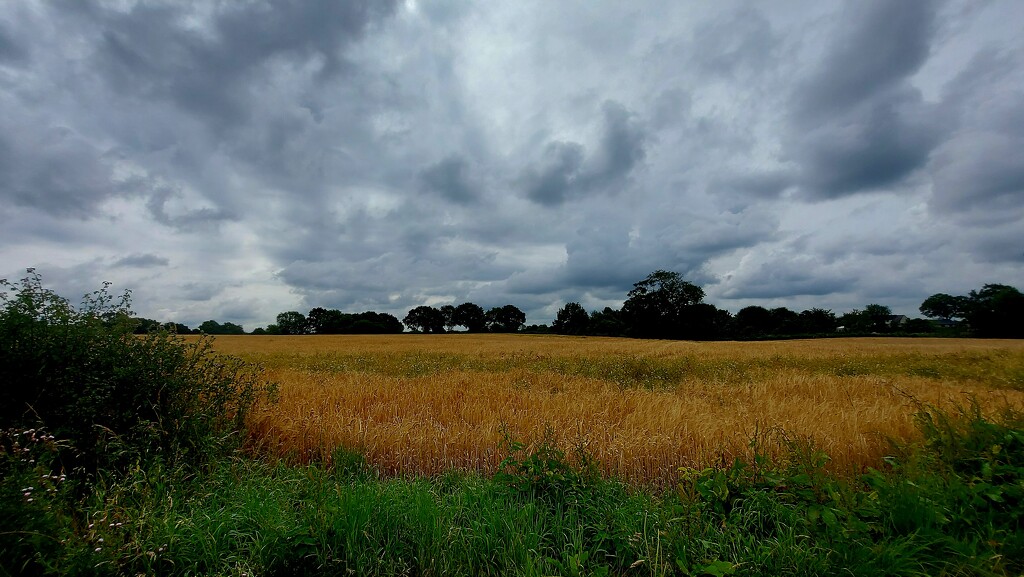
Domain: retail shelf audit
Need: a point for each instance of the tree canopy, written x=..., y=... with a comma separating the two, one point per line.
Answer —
x=657, y=305
x=572, y=319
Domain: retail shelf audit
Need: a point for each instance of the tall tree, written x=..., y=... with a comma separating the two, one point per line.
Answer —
x=944, y=306
x=996, y=311
x=321, y=321
x=877, y=317
x=425, y=319
x=506, y=319
x=572, y=319
x=753, y=321
x=606, y=323
x=292, y=323
x=817, y=321
x=471, y=316
x=656, y=305
x=448, y=311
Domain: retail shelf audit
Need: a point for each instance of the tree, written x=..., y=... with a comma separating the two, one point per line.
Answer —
x=178, y=329
x=212, y=327
x=606, y=323
x=321, y=321
x=655, y=306
x=996, y=311
x=425, y=319
x=572, y=319
x=944, y=306
x=145, y=326
x=704, y=321
x=877, y=317
x=785, y=321
x=292, y=323
x=817, y=321
x=471, y=316
x=753, y=321
x=506, y=319
x=374, y=323
x=448, y=311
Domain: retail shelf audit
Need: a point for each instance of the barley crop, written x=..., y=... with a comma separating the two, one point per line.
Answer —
x=425, y=404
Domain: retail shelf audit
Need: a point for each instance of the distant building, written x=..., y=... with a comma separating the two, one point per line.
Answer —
x=896, y=321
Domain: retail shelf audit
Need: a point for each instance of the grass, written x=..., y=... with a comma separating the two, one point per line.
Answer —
x=422, y=405
x=950, y=505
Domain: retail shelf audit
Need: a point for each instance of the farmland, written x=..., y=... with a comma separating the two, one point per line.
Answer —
x=424, y=404
x=501, y=454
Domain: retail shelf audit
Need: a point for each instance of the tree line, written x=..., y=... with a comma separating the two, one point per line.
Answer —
x=663, y=306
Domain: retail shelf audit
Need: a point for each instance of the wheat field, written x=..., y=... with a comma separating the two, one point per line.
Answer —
x=425, y=404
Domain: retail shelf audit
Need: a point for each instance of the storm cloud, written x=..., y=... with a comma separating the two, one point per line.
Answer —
x=236, y=160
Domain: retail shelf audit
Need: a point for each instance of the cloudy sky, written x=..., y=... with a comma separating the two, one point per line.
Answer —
x=232, y=160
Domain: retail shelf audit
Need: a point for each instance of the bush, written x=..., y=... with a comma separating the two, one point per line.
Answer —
x=115, y=397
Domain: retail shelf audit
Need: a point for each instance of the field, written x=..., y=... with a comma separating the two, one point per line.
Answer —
x=507, y=455
x=423, y=404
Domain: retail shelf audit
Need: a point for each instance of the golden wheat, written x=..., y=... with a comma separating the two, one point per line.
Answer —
x=419, y=404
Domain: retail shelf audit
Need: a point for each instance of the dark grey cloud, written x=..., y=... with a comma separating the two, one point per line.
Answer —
x=737, y=41
x=868, y=147
x=199, y=291
x=451, y=179
x=878, y=46
x=558, y=176
x=185, y=218
x=55, y=170
x=979, y=177
x=155, y=51
x=778, y=279
x=856, y=122
x=142, y=260
x=566, y=171
x=11, y=51
x=763, y=184
x=976, y=173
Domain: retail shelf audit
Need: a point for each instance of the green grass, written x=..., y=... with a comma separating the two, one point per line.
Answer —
x=952, y=505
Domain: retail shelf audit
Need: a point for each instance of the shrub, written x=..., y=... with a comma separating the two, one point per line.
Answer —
x=115, y=397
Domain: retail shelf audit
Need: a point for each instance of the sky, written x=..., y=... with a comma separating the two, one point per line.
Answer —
x=232, y=160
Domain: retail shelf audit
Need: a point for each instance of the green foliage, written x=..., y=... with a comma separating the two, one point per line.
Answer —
x=114, y=397
x=291, y=323
x=995, y=310
x=572, y=319
x=949, y=505
x=656, y=306
x=944, y=306
x=505, y=319
x=321, y=321
x=544, y=472
x=212, y=327
x=425, y=319
x=471, y=316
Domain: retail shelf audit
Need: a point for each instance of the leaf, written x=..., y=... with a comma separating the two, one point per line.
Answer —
x=718, y=568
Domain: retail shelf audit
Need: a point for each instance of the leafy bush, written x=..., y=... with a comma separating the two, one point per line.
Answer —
x=114, y=397
x=543, y=471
